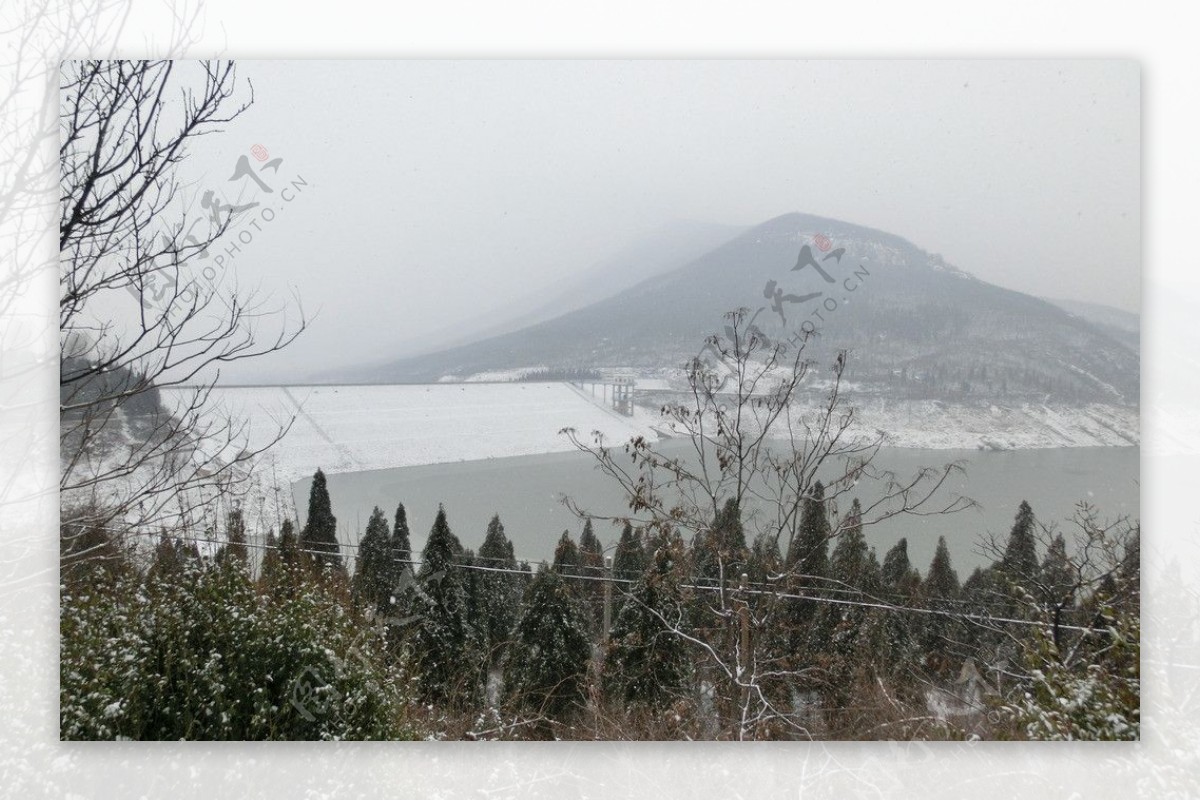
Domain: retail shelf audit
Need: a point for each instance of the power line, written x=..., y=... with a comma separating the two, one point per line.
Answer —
x=880, y=605
x=851, y=591
x=872, y=599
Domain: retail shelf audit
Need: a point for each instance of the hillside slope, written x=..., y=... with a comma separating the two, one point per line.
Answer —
x=916, y=326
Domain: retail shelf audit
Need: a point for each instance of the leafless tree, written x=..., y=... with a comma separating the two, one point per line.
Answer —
x=1089, y=572
x=1073, y=671
x=756, y=438
x=140, y=307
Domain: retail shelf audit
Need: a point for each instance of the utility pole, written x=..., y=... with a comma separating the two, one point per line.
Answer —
x=743, y=662
x=608, y=563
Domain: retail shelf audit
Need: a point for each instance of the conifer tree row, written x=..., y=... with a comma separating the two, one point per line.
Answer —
x=320, y=527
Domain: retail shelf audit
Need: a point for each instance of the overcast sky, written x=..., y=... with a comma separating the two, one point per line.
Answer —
x=441, y=193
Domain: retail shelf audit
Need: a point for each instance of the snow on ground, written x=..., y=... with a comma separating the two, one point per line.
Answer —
x=351, y=428
x=945, y=426
x=938, y=425
x=503, y=375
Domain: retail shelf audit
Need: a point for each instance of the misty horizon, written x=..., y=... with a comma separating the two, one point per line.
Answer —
x=437, y=199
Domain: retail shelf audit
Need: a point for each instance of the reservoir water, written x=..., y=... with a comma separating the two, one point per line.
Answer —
x=525, y=492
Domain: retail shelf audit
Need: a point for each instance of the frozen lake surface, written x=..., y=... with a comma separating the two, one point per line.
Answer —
x=352, y=428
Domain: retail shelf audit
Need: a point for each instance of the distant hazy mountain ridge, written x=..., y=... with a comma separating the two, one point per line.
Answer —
x=1123, y=326
x=916, y=326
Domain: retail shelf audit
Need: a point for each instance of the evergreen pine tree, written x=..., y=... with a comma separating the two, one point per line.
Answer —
x=591, y=552
x=526, y=574
x=566, y=560
x=808, y=554
x=1057, y=577
x=896, y=566
x=839, y=629
x=719, y=558
x=591, y=564
x=975, y=581
x=169, y=558
x=319, y=537
x=271, y=562
x=285, y=576
x=444, y=641
x=720, y=553
x=899, y=576
x=401, y=543
x=235, y=538
x=473, y=583
x=401, y=574
x=646, y=663
x=983, y=593
x=853, y=563
x=1015, y=576
x=1020, y=560
x=372, y=567
x=941, y=592
x=807, y=627
x=289, y=545
x=942, y=582
x=545, y=669
x=500, y=592
x=765, y=559
x=1056, y=584
x=865, y=648
x=629, y=560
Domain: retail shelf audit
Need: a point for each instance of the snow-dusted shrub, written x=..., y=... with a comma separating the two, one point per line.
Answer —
x=1097, y=698
x=205, y=654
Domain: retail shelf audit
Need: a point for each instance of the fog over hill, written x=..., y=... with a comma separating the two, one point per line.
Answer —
x=916, y=326
x=1123, y=326
x=663, y=249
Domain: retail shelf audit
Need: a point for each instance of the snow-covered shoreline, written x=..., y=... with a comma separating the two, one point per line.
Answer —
x=937, y=425
x=355, y=428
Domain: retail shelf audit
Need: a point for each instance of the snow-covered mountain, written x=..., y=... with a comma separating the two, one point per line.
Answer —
x=917, y=327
